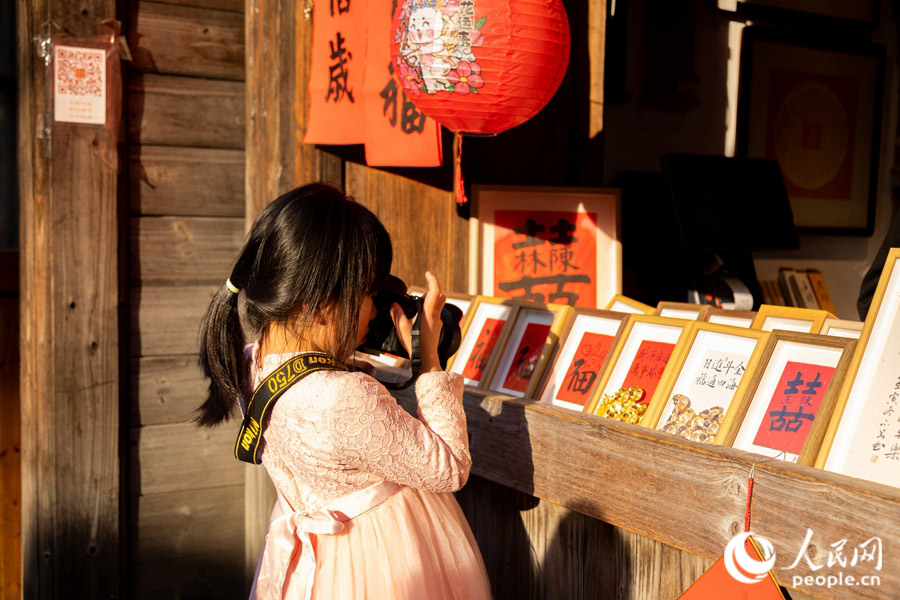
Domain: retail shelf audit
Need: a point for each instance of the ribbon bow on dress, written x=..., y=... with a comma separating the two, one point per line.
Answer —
x=290, y=533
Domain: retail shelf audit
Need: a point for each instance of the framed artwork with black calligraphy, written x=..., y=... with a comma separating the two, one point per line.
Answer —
x=842, y=328
x=639, y=361
x=624, y=304
x=696, y=401
x=525, y=348
x=584, y=351
x=481, y=331
x=791, y=396
x=789, y=318
x=553, y=245
x=682, y=310
x=724, y=316
x=863, y=438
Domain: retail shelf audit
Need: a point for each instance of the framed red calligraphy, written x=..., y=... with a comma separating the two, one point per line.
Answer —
x=481, y=330
x=682, y=310
x=791, y=396
x=790, y=318
x=842, y=328
x=548, y=245
x=526, y=346
x=584, y=352
x=624, y=304
x=724, y=316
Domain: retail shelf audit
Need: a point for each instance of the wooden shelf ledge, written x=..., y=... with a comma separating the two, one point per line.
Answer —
x=687, y=495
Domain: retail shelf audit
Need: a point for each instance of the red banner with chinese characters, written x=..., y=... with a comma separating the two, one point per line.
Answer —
x=791, y=412
x=484, y=345
x=397, y=133
x=546, y=256
x=585, y=367
x=525, y=359
x=647, y=368
x=337, y=67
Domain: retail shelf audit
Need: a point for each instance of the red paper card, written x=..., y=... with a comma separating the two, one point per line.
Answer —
x=648, y=366
x=546, y=256
x=525, y=359
x=718, y=584
x=484, y=345
x=397, y=133
x=791, y=412
x=584, y=370
x=337, y=65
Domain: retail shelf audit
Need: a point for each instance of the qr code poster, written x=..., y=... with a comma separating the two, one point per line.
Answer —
x=80, y=85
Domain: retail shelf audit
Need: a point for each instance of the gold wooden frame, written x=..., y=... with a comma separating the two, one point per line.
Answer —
x=561, y=314
x=715, y=311
x=681, y=355
x=467, y=322
x=639, y=308
x=702, y=310
x=860, y=355
x=767, y=311
x=813, y=442
x=616, y=353
x=850, y=326
x=564, y=339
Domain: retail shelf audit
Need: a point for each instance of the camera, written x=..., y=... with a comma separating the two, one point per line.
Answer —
x=383, y=337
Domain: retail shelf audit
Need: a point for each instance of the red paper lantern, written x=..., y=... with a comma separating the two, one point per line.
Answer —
x=480, y=66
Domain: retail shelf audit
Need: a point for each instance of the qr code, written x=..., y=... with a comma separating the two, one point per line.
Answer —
x=79, y=72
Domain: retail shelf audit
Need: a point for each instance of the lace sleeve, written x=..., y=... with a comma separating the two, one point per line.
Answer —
x=378, y=436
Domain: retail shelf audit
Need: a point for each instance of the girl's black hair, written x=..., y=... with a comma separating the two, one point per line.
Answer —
x=311, y=251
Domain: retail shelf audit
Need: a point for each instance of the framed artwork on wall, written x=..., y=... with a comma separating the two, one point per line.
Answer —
x=585, y=348
x=842, y=328
x=548, y=245
x=525, y=348
x=791, y=396
x=481, y=331
x=863, y=438
x=861, y=15
x=789, y=318
x=814, y=104
x=735, y=318
x=624, y=304
x=712, y=368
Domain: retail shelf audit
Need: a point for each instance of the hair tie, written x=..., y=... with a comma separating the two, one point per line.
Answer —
x=231, y=287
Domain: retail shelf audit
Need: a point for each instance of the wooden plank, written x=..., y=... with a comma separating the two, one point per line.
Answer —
x=10, y=455
x=182, y=456
x=170, y=180
x=166, y=389
x=623, y=471
x=166, y=320
x=183, y=40
x=191, y=523
x=185, y=111
x=70, y=268
x=183, y=250
x=233, y=5
x=217, y=576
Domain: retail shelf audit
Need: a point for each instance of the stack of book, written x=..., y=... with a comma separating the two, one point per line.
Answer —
x=804, y=288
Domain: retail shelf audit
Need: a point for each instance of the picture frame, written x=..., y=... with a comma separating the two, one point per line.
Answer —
x=789, y=318
x=525, y=348
x=734, y=318
x=814, y=103
x=624, y=304
x=862, y=438
x=480, y=332
x=641, y=358
x=784, y=379
x=711, y=369
x=860, y=15
x=842, y=328
x=541, y=244
x=585, y=349
x=682, y=310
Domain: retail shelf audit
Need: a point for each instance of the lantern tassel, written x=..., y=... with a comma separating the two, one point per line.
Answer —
x=460, y=186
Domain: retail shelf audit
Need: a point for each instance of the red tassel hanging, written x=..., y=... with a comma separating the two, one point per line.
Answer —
x=460, y=186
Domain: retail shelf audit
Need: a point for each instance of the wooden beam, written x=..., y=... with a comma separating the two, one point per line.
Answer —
x=687, y=495
x=69, y=338
x=10, y=455
x=166, y=389
x=165, y=320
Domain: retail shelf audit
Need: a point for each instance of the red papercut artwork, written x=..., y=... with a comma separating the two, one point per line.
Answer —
x=791, y=412
x=584, y=369
x=546, y=256
x=484, y=345
x=525, y=359
x=648, y=366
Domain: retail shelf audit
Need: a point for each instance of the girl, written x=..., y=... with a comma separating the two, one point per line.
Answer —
x=364, y=506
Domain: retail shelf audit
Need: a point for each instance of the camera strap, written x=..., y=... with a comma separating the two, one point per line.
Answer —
x=268, y=392
x=415, y=355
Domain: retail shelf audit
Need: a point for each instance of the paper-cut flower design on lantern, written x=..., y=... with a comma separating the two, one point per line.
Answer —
x=410, y=78
x=482, y=66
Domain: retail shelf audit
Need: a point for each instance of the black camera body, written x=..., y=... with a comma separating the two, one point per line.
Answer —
x=383, y=337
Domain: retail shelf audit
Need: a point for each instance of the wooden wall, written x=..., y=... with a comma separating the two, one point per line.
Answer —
x=186, y=223
x=10, y=432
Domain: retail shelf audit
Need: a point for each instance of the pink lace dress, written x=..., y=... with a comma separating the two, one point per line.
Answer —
x=335, y=439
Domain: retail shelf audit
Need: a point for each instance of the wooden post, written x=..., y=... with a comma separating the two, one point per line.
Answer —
x=69, y=334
